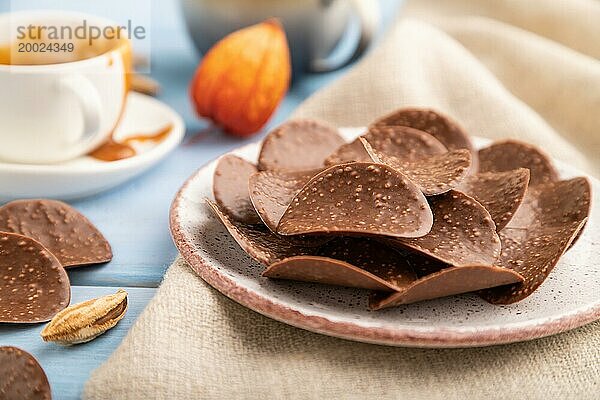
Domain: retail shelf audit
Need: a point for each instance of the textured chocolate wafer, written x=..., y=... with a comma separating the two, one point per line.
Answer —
x=352, y=262
x=272, y=191
x=511, y=154
x=444, y=129
x=34, y=286
x=550, y=217
x=447, y=282
x=463, y=232
x=230, y=188
x=298, y=145
x=258, y=241
x=358, y=199
x=70, y=236
x=501, y=193
x=347, y=153
x=21, y=376
x=398, y=141
x=403, y=142
x=434, y=174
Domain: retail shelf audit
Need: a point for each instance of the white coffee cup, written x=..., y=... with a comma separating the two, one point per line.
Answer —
x=59, y=111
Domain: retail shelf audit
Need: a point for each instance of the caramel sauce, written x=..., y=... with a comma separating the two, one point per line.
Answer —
x=113, y=150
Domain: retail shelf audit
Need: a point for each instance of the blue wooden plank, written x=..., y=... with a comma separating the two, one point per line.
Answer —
x=69, y=367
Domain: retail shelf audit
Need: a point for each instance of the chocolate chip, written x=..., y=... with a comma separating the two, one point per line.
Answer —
x=298, y=145
x=353, y=262
x=433, y=174
x=512, y=154
x=399, y=141
x=551, y=216
x=447, y=282
x=403, y=142
x=358, y=199
x=500, y=193
x=444, y=129
x=230, y=187
x=463, y=232
x=347, y=153
x=70, y=236
x=259, y=242
x=33, y=284
x=21, y=376
x=272, y=192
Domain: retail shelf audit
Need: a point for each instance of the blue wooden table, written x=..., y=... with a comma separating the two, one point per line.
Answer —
x=134, y=216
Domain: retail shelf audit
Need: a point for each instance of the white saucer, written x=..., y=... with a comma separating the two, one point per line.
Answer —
x=86, y=176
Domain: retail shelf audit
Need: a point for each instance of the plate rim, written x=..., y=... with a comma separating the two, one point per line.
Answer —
x=404, y=337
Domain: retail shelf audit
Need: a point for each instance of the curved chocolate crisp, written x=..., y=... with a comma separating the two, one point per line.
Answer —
x=447, y=282
x=542, y=229
x=501, y=193
x=463, y=232
x=358, y=199
x=434, y=174
x=511, y=154
x=271, y=192
x=70, y=236
x=230, y=188
x=259, y=242
x=34, y=286
x=347, y=153
x=21, y=376
x=399, y=141
x=444, y=129
x=352, y=262
x=403, y=142
x=298, y=145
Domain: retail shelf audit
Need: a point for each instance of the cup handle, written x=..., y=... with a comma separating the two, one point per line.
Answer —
x=369, y=16
x=89, y=102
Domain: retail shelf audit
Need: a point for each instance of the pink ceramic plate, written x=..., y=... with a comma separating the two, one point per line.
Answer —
x=569, y=298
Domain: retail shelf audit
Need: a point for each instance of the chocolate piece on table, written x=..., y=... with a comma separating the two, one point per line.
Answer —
x=21, y=376
x=34, y=285
x=230, y=188
x=358, y=199
x=298, y=145
x=63, y=230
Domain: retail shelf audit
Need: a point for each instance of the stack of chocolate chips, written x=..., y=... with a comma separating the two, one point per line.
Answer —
x=38, y=240
x=410, y=209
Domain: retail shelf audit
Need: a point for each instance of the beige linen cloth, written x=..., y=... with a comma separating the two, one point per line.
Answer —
x=504, y=68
